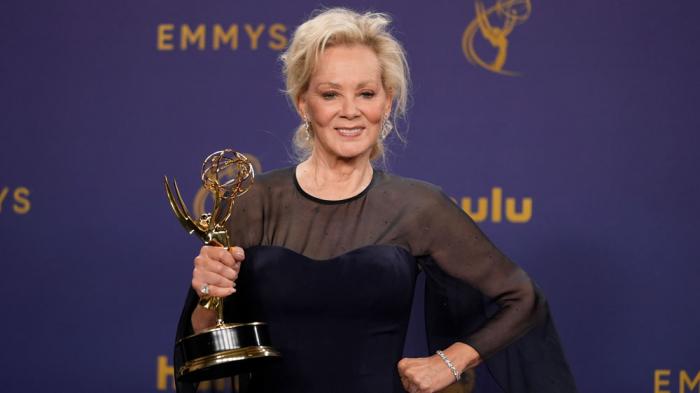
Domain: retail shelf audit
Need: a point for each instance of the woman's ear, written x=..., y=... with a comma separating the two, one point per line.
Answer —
x=389, y=101
x=301, y=105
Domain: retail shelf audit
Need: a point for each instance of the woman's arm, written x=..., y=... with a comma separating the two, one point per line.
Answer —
x=461, y=250
x=445, y=234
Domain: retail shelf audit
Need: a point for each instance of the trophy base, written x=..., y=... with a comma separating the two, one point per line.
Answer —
x=224, y=351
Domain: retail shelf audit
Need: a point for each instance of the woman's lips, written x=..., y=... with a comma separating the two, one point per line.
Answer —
x=349, y=131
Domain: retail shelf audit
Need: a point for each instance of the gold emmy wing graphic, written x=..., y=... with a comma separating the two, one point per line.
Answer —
x=225, y=349
x=495, y=24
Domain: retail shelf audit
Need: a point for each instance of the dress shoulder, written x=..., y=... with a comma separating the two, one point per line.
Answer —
x=419, y=195
x=245, y=225
x=407, y=183
x=272, y=181
x=275, y=176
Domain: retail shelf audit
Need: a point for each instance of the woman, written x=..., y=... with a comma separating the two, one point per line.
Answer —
x=332, y=246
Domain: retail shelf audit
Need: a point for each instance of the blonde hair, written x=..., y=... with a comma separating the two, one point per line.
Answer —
x=340, y=26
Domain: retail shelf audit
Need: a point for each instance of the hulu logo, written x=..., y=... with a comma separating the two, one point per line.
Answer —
x=495, y=208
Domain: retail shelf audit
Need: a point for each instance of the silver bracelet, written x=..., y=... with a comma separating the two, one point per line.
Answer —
x=449, y=364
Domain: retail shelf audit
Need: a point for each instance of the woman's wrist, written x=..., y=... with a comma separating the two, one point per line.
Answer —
x=462, y=356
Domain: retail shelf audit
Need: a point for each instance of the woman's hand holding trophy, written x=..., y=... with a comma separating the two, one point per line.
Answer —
x=215, y=273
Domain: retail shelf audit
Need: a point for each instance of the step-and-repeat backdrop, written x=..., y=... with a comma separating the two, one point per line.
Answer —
x=568, y=130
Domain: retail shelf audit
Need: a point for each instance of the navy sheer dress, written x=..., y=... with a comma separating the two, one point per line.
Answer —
x=334, y=280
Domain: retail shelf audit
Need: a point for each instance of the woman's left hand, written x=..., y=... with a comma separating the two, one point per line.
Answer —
x=431, y=374
x=424, y=375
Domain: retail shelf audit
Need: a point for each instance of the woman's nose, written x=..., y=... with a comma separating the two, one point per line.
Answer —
x=349, y=109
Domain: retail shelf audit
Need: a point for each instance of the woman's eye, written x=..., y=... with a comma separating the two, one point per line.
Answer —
x=329, y=95
x=367, y=94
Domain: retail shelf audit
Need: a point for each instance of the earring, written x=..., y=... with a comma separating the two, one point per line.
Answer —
x=307, y=127
x=386, y=127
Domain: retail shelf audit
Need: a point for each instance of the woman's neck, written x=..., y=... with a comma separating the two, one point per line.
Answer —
x=336, y=179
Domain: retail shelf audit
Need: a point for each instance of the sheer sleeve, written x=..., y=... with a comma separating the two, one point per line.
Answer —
x=449, y=237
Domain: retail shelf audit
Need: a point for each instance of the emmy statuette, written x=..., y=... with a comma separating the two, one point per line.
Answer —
x=225, y=349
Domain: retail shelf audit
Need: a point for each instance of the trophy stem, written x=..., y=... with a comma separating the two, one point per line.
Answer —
x=220, y=313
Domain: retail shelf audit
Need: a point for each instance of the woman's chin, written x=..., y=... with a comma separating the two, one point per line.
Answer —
x=349, y=153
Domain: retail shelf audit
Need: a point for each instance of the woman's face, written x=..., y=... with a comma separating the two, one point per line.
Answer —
x=345, y=102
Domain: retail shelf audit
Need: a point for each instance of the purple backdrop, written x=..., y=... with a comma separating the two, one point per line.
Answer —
x=599, y=131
